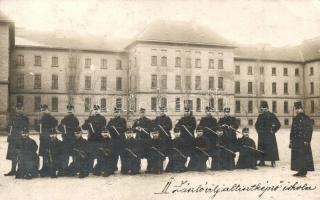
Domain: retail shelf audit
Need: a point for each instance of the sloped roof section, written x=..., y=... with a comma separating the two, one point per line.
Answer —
x=289, y=54
x=4, y=18
x=311, y=49
x=181, y=32
x=64, y=40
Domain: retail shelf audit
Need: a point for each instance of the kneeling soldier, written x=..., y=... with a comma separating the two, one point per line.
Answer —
x=57, y=156
x=248, y=153
x=176, y=154
x=81, y=155
x=199, y=155
x=28, y=159
x=156, y=156
x=106, y=154
x=132, y=154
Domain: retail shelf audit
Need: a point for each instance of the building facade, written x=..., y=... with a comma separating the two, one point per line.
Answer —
x=170, y=64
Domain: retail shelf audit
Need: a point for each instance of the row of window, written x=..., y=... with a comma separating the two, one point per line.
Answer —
x=251, y=121
x=274, y=107
x=71, y=80
x=187, y=82
x=273, y=71
x=187, y=63
x=55, y=103
x=237, y=88
x=73, y=62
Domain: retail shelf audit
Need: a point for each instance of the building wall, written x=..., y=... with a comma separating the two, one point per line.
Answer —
x=46, y=70
x=4, y=72
x=268, y=78
x=315, y=96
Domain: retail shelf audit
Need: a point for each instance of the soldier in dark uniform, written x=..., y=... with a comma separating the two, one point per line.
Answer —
x=156, y=152
x=199, y=155
x=300, y=142
x=56, y=157
x=18, y=124
x=248, y=153
x=28, y=159
x=81, y=162
x=47, y=127
x=95, y=124
x=186, y=126
x=228, y=140
x=176, y=154
x=267, y=125
x=132, y=153
x=163, y=124
x=106, y=154
x=117, y=127
x=68, y=126
x=209, y=125
x=142, y=127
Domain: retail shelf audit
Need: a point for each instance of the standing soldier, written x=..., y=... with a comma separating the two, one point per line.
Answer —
x=228, y=141
x=18, y=124
x=117, y=127
x=163, y=124
x=68, y=126
x=142, y=126
x=300, y=142
x=267, y=125
x=47, y=127
x=186, y=126
x=209, y=125
x=95, y=124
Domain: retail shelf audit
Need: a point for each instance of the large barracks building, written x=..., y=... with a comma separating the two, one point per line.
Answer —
x=171, y=64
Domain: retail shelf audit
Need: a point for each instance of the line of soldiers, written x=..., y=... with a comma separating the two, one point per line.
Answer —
x=188, y=148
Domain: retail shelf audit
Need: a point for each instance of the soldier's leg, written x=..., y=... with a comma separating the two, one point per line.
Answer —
x=13, y=170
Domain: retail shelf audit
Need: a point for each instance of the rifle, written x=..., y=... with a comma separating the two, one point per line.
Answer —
x=40, y=129
x=226, y=149
x=248, y=147
x=116, y=130
x=91, y=126
x=158, y=151
x=179, y=152
x=211, y=130
x=50, y=156
x=163, y=130
x=202, y=151
x=81, y=153
x=230, y=127
x=10, y=131
x=65, y=129
x=187, y=130
x=144, y=131
x=133, y=154
x=104, y=152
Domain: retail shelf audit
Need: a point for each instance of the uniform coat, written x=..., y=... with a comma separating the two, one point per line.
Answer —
x=301, y=132
x=177, y=155
x=48, y=126
x=19, y=123
x=247, y=156
x=71, y=123
x=267, y=125
x=209, y=122
x=190, y=123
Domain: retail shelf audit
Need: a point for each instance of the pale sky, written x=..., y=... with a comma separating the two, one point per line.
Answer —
x=275, y=22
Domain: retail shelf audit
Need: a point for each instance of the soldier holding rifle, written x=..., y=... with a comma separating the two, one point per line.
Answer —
x=117, y=127
x=47, y=127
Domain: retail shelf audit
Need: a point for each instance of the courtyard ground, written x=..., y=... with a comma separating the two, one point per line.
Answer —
x=206, y=185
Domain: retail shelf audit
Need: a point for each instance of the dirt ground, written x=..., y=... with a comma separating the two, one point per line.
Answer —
x=206, y=185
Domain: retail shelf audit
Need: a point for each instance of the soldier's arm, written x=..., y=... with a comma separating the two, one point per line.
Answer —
x=235, y=123
x=308, y=129
x=169, y=124
x=85, y=125
x=276, y=124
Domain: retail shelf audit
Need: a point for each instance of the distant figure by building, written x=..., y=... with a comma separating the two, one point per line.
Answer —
x=267, y=125
x=300, y=142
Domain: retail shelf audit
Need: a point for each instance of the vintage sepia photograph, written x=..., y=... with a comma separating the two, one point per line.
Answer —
x=150, y=99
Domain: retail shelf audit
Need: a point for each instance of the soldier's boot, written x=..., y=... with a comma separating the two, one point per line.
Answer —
x=261, y=163
x=273, y=163
x=13, y=171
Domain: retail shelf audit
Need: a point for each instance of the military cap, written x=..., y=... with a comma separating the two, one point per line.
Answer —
x=19, y=105
x=43, y=107
x=187, y=109
x=297, y=104
x=116, y=109
x=96, y=107
x=226, y=109
x=209, y=109
x=245, y=130
x=70, y=107
x=162, y=108
x=264, y=104
x=142, y=110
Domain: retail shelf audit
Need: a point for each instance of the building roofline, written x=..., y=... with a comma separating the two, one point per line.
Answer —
x=267, y=60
